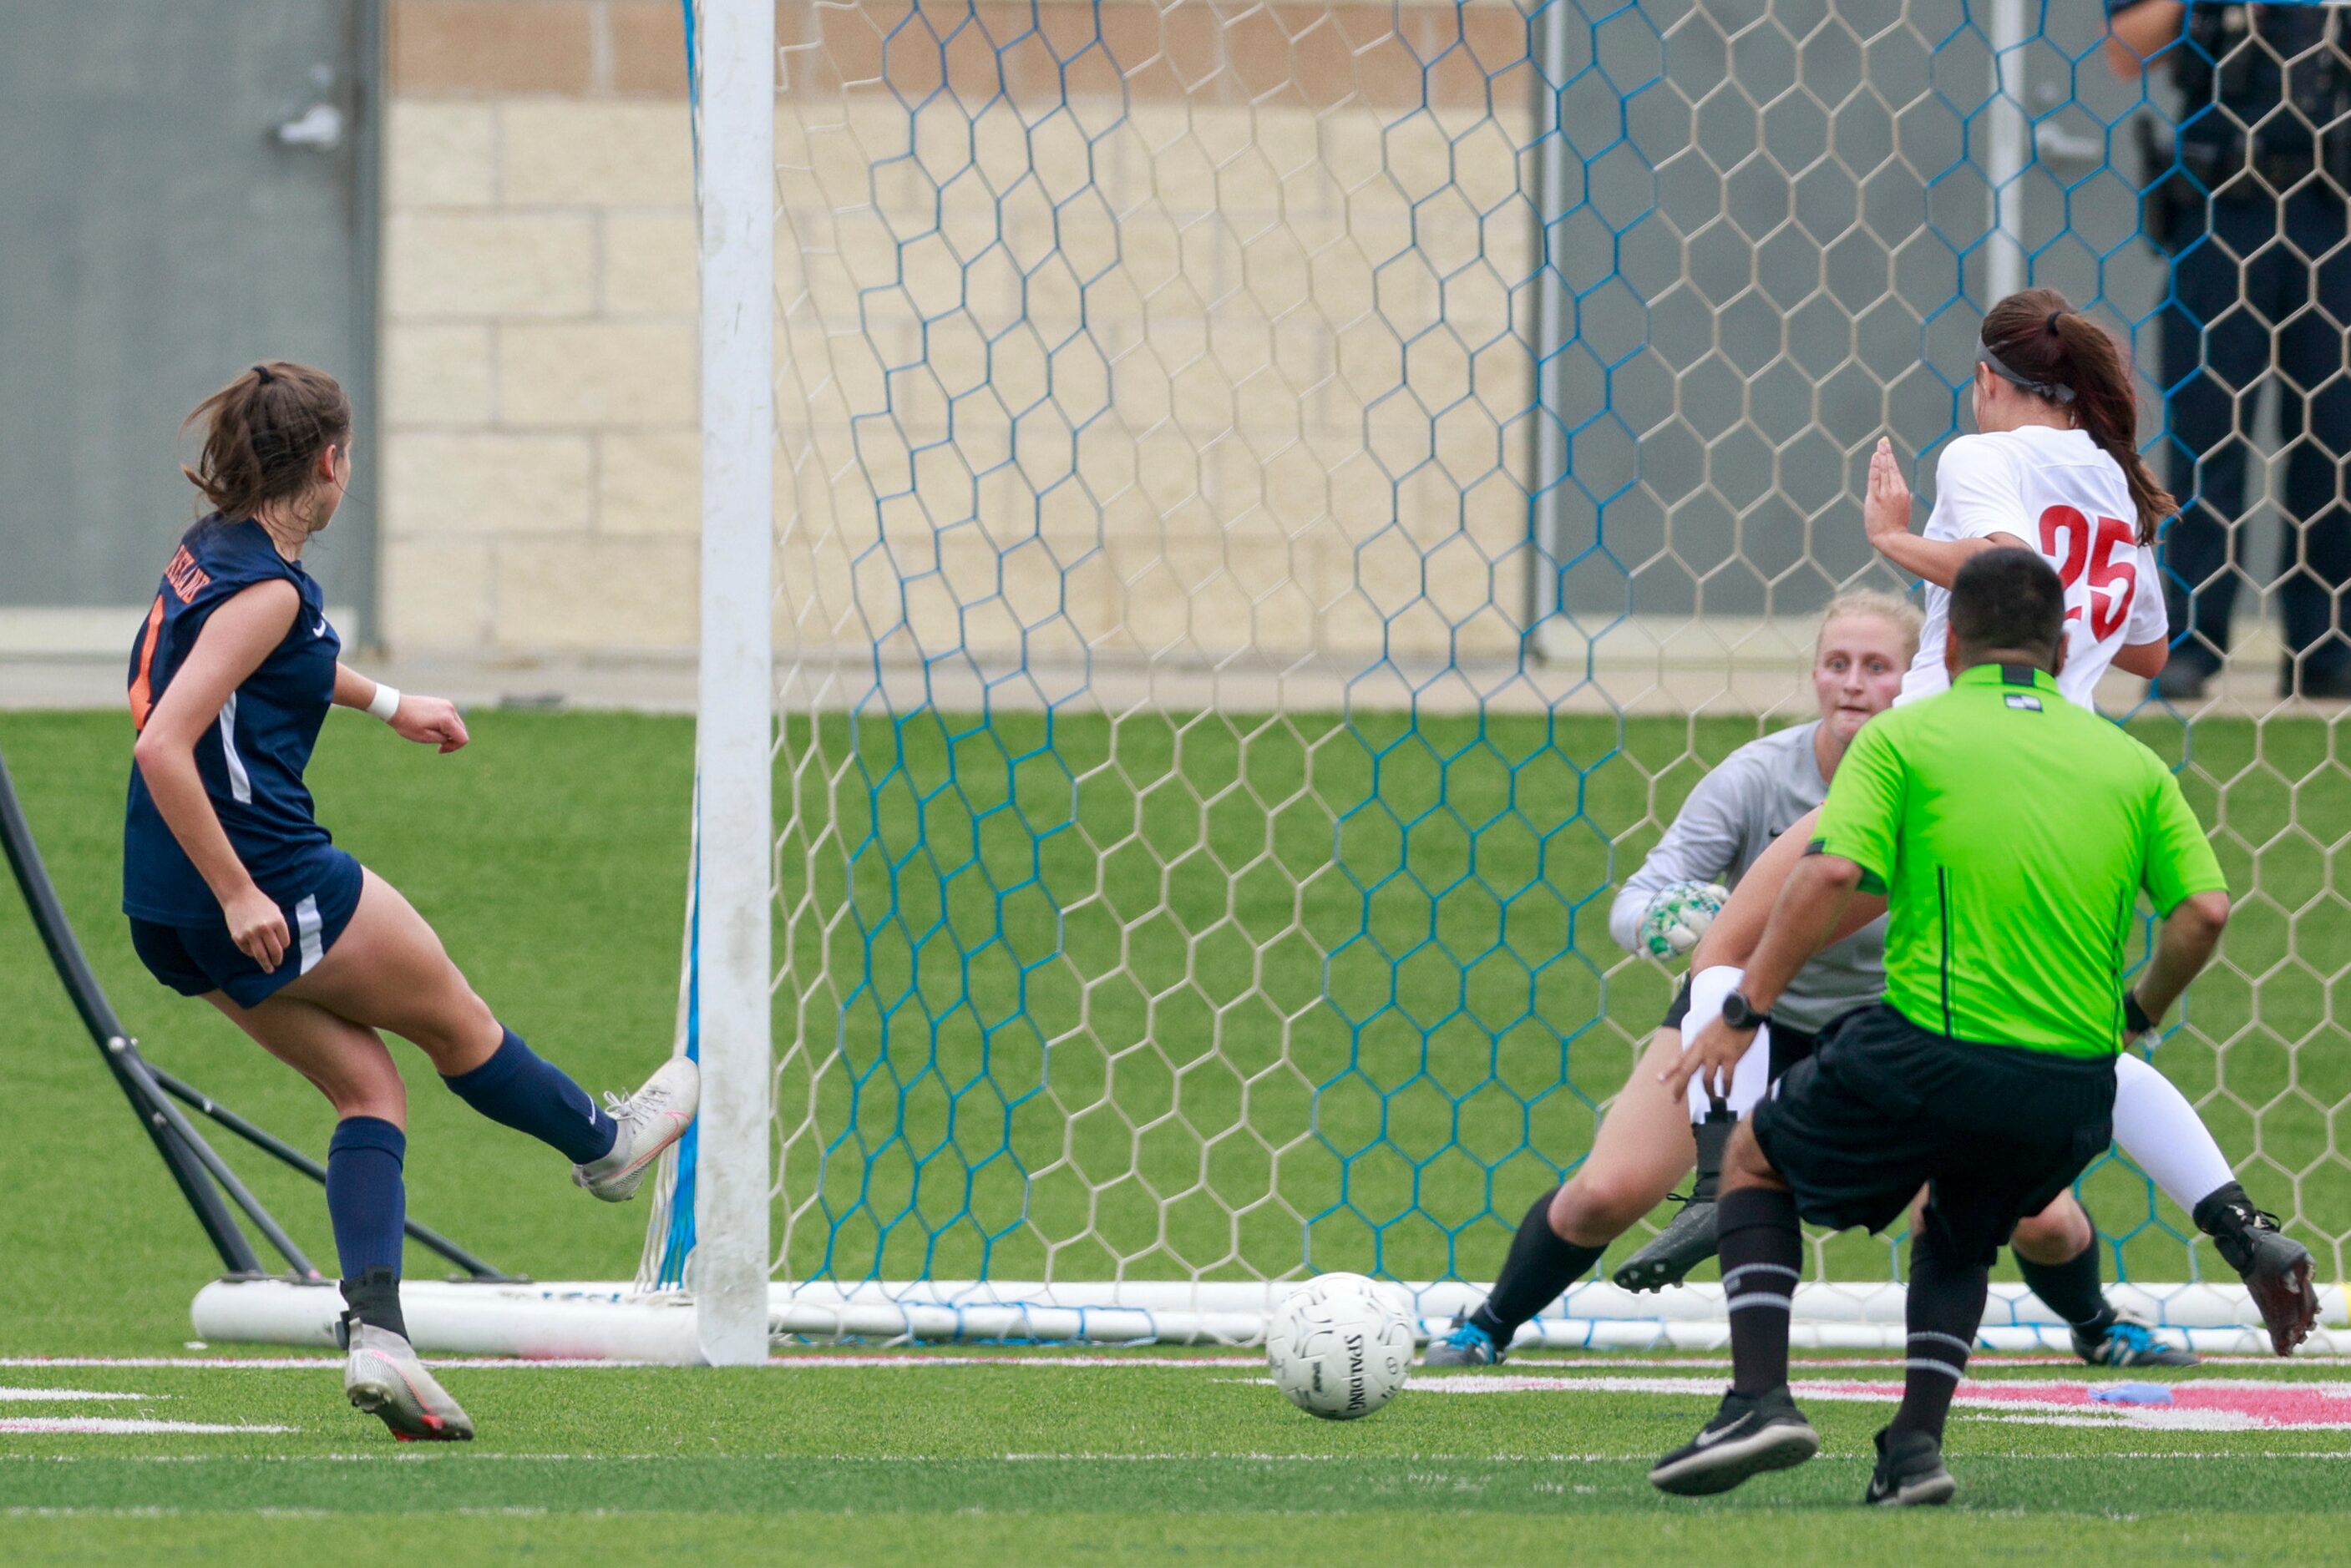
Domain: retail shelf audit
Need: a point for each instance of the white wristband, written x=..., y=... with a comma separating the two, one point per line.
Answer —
x=386, y=701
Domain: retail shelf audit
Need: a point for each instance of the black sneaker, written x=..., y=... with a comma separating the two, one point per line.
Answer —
x=1675, y=1251
x=2323, y=683
x=2182, y=680
x=1909, y=1472
x=1746, y=1438
x=2274, y=1267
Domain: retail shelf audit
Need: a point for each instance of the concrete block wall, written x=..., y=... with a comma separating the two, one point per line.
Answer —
x=539, y=461
x=1166, y=327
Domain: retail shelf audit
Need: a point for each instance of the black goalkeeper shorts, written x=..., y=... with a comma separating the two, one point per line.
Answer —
x=1885, y=1107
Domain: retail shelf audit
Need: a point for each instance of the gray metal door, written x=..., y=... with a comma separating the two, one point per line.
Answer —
x=186, y=186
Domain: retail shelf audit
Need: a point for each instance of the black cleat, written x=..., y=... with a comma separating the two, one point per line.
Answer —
x=2128, y=1342
x=1909, y=1472
x=2182, y=680
x=1689, y=1239
x=1464, y=1344
x=1674, y=1252
x=2274, y=1267
x=1746, y=1438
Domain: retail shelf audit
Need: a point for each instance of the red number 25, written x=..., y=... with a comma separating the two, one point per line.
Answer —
x=2069, y=539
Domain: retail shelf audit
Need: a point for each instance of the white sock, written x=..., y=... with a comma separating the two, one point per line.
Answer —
x=1752, y=1077
x=2163, y=1134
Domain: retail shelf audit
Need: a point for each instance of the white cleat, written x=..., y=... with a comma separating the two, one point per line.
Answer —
x=383, y=1377
x=650, y=1120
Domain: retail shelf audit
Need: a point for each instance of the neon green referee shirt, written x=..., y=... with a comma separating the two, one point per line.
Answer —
x=2013, y=832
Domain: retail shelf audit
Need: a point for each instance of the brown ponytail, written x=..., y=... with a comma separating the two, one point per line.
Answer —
x=2040, y=338
x=263, y=431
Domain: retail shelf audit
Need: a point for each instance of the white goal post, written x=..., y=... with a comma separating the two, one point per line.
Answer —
x=1227, y=532
x=730, y=955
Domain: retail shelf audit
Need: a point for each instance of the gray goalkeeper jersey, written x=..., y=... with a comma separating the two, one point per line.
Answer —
x=1730, y=818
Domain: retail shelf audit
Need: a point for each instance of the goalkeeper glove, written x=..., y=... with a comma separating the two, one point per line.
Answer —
x=1678, y=916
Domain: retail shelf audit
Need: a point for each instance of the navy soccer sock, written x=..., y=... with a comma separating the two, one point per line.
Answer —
x=532, y=1096
x=1762, y=1252
x=368, y=1202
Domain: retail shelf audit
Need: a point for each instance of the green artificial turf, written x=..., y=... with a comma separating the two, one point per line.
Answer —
x=1080, y=963
x=1155, y=996
x=1123, y=1462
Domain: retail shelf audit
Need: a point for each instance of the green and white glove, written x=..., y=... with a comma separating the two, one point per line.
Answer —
x=1678, y=916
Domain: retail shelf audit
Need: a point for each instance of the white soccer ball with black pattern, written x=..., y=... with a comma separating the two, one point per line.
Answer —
x=1339, y=1345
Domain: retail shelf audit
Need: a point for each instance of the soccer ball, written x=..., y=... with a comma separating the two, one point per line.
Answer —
x=1340, y=1346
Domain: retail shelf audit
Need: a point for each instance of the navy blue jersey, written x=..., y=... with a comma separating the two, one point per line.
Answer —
x=251, y=759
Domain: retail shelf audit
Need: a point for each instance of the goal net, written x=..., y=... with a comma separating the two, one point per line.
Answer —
x=1274, y=507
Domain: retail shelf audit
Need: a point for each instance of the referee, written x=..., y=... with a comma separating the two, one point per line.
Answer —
x=2013, y=832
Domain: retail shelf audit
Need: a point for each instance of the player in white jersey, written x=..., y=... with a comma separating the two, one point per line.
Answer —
x=1643, y=1146
x=2054, y=467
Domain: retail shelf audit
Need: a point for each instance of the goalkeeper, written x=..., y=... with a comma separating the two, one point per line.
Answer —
x=2011, y=833
x=1866, y=643
x=1731, y=818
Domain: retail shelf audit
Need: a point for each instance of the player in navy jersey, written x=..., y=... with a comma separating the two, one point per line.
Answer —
x=237, y=895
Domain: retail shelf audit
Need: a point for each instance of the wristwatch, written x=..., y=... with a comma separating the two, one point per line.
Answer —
x=1740, y=1013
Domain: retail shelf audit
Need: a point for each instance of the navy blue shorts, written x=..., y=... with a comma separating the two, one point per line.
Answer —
x=196, y=959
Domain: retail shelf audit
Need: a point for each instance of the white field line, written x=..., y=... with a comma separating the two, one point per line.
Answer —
x=153, y=1512
x=2195, y=1456
x=63, y=1396
x=101, y=1425
x=825, y=1361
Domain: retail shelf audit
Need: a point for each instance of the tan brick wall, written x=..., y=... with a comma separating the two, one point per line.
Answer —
x=539, y=463
x=1166, y=338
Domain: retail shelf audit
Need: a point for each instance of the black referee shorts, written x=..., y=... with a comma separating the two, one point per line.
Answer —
x=1886, y=1108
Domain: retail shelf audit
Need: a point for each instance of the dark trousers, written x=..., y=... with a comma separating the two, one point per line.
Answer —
x=2246, y=309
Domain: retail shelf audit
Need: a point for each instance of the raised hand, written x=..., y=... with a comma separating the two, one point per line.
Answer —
x=1885, y=500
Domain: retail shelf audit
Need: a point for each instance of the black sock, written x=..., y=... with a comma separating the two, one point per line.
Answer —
x=1763, y=1251
x=1713, y=1137
x=1541, y=1267
x=2223, y=1210
x=1945, y=1310
x=2075, y=1290
x=2228, y=1216
x=374, y=1299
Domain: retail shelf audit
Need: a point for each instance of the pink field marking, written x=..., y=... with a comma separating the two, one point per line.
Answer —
x=2210, y=1404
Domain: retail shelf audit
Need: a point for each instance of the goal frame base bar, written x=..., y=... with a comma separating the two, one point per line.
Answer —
x=589, y=1320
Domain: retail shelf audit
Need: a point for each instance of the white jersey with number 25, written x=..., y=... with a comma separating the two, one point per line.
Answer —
x=2056, y=491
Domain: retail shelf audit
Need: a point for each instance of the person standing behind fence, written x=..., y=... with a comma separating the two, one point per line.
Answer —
x=2250, y=207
